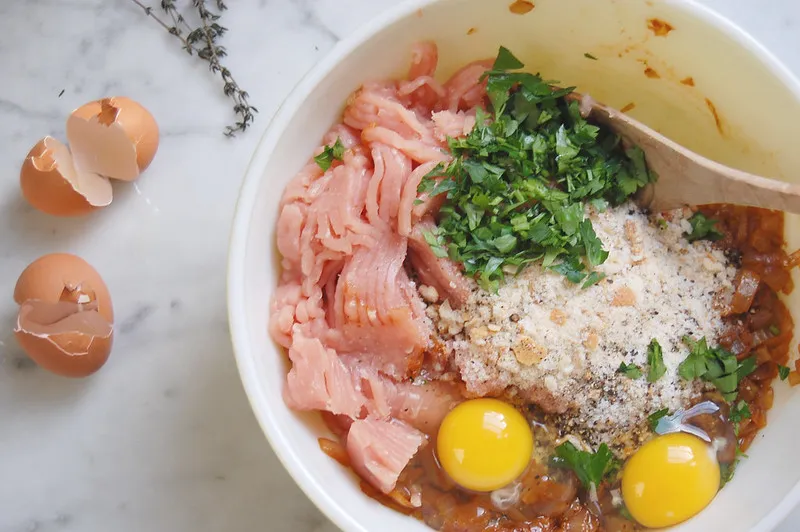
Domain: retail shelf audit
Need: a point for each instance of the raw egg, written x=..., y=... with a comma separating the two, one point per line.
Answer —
x=65, y=320
x=484, y=444
x=670, y=479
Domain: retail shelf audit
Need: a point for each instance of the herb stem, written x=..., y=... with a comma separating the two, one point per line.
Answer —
x=171, y=30
x=202, y=41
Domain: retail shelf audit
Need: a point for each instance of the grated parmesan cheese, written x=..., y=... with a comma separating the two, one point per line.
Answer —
x=544, y=340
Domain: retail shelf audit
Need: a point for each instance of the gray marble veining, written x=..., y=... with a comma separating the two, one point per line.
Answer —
x=162, y=439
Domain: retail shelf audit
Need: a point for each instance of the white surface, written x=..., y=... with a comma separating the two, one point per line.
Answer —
x=163, y=438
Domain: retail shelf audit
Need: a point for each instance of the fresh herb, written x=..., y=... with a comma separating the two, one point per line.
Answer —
x=715, y=365
x=517, y=187
x=587, y=55
x=655, y=361
x=202, y=42
x=632, y=371
x=726, y=473
x=652, y=419
x=775, y=330
x=435, y=241
x=332, y=152
x=590, y=468
x=746, y=367
x=506, y=61
x=600, y=204
x=739, y=412
x=592, y=279
x=662, y=223
x=783, y=371
x=703, y=228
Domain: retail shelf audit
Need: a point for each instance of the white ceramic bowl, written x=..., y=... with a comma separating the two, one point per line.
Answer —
x=758, y=105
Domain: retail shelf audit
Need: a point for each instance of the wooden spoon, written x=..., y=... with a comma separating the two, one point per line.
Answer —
x=686, y=178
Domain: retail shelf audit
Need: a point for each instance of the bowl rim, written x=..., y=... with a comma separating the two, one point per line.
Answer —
x=243, y=213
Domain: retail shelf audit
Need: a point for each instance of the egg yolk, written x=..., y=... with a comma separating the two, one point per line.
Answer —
x=484, y=444
x=670, y=479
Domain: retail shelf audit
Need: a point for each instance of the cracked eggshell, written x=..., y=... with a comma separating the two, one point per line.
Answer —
x=65, y=321
x=69, y=339
x=114, y=137
x=51, y=184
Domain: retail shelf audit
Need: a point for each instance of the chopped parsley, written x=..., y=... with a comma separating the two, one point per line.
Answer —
x=726, y=470
x=726, y=473
x=333, y=152
x=775, y=330
x=783, y=371
x=632, y=371
x=655, y=361
x=715, y=365
x=652, y=419
x=590, y=468
x=593, y=278
x=746, y=367
x=703, y=228
x=517, y=187
x=739, y=412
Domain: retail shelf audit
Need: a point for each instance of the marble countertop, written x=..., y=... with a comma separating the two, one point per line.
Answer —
x=163, y=439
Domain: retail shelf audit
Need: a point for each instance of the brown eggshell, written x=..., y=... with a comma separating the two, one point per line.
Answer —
x=66, y=338
x=63, y=277
x=47, y=181
x=134, y=120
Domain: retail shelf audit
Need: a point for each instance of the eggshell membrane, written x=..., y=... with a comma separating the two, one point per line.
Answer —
x=63, y=277
x=66, y=338
x=50, y=183
x=114, y=137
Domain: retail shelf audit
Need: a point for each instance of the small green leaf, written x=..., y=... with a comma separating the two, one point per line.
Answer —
x=746, y=367
x=717, y=366
x=434, y=241
x=592, y=279
x=703, y=228
x=590, y=468
x=655, y=361
x=571, y=268
x=632, y=371
x=594, y=247
x=330, y=153
x=505, y=243
x=338, y=149
x=600, y=204
x=783, y=371
x=775, y=330
x=726, y=473
x=652, y=419
x=506, y=60
x=739, y=412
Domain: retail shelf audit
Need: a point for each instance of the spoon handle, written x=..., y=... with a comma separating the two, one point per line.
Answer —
x=686, y=178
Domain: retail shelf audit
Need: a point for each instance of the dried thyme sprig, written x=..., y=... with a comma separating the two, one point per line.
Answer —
x=203, y=42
